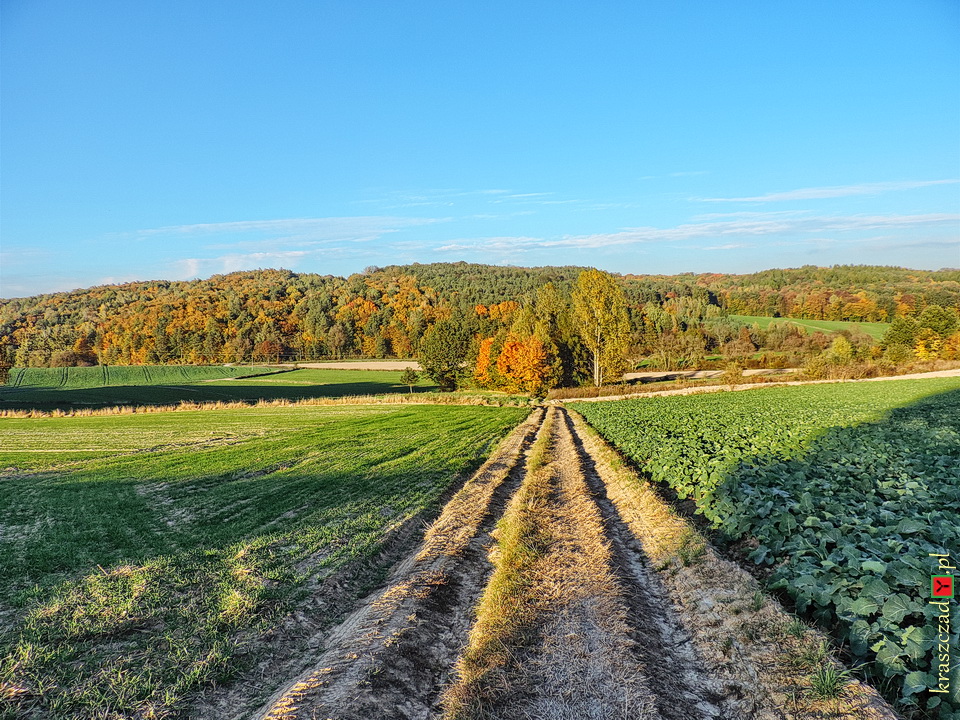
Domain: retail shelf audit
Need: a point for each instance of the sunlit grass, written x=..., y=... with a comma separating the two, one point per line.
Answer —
x=131, y=580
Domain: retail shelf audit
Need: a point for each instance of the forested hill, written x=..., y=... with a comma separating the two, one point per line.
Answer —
x=385, y=311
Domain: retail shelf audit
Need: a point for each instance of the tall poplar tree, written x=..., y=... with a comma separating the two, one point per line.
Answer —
x=600, y=309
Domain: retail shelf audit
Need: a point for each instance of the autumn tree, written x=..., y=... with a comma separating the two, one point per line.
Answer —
x=928, y=344
x=523, y=365
x=941, y=320
x=600, y=309
x=482, y=374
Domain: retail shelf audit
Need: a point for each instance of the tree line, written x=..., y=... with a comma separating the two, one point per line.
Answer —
x=524, y=327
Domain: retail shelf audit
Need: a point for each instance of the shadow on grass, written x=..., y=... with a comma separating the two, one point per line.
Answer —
x=160, y=567
x=34, y=398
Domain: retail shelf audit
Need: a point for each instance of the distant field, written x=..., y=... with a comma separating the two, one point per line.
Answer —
x=46, y=388
x=874, y=330
x=103, y=375
x=143, y=557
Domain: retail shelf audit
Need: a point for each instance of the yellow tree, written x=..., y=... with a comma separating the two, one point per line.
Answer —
x=600, y=309
x=928, y=344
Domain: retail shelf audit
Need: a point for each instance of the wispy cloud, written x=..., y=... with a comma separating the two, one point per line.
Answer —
x=835, y=191
x=763, y=226
x=188, y=268
x=329, y=229
x=728, y=246
x=773, y=226
x=508, y=244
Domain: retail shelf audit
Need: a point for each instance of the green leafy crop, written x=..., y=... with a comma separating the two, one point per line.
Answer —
x=844, y=491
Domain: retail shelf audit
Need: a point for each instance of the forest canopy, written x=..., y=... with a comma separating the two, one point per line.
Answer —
x=269, y=315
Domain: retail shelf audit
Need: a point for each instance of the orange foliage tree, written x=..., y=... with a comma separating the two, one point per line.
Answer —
x=523, y=365
x=481, y=371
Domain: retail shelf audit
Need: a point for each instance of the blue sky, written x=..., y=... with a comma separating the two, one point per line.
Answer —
x=172, y=140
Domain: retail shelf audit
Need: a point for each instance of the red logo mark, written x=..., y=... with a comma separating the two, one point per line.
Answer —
x=941, y=586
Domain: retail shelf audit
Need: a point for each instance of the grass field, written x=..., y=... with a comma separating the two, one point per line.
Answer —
x=70, y=378
x=49, y=388
x=873, y=329
x=143, y=557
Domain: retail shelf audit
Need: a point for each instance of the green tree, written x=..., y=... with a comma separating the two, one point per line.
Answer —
x=840, y=351
x=443, y=352
x=600, y=309
x=902, y=331
x=409, y=377
x=941, y=320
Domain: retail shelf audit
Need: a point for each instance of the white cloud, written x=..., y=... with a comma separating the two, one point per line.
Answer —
x=188, y=268
x=329, y=229
x=728, y=246
x=818, y=193
x=775, y=226
x=506, y=244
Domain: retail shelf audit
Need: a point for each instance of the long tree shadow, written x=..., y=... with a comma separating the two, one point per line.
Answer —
x=852, y=530
x=39, y=398
x=161, y=566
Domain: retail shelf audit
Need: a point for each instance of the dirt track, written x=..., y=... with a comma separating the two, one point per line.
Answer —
x=755, y=386
x=614, y=633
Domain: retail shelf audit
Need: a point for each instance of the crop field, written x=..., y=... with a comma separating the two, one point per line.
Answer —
x=47, y=388
x=873, y=329
x=280, y=563
x=104, y=375
x=843, y=492
x=145, y=558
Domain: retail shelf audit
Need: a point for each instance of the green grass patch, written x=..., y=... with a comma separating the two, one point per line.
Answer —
x=873, y=329
x=39, y=388
x=132, y=578
x=104, y=376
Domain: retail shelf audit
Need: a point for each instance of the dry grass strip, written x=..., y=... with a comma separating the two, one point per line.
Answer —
x=551, y=638
x=367, y=642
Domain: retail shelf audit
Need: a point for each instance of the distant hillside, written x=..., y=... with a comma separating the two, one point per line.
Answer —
x=384, y=312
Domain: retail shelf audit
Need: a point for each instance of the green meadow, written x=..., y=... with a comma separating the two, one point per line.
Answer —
x=143, y=557
x=873, y=329
x=68, y=388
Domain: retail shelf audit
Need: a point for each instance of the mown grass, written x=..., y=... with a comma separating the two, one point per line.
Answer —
x=152, y=568
x=873, y=329
x=40, y=388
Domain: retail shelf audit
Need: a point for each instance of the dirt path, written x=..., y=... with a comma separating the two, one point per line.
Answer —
x=754, y=386
x=391, y=657
x=626, y=611
x=602, y=641
x=360, y=365
x=653, y=375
